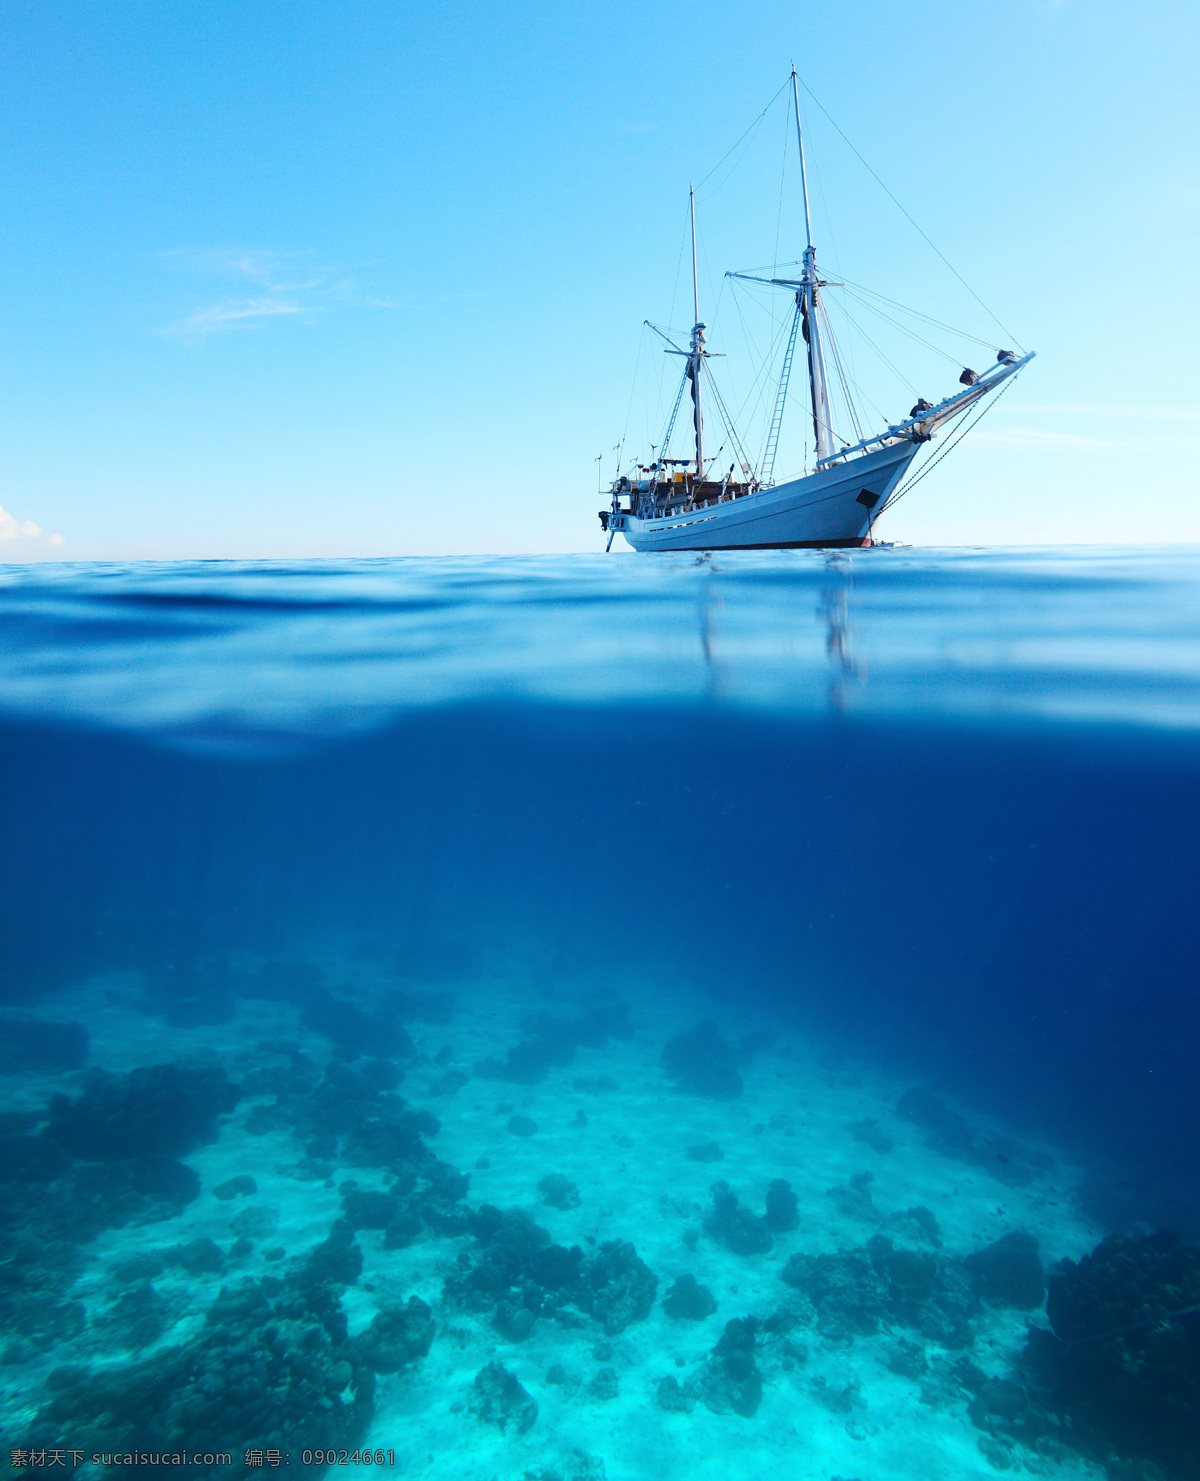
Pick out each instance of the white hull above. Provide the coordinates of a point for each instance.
(827, 508)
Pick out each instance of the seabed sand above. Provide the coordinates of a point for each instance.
(838, 1412)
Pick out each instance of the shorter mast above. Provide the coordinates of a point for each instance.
(809, 303)
(696, 358)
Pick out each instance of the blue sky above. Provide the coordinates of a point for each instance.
(314, 280)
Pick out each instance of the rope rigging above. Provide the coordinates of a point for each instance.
(949, 448)
(1008, 334)
(833, 372)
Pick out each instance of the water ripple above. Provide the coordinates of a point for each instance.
(250, 653)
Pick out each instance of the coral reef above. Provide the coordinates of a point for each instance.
(550, 1043)
(559, 1191)
(1009, 1272)
(136, 1319)
(705, 1152)
(620, 1288)
(783, 1209)
(853, 1199)
(398, 1337)
(729, 1380)
(701, 1062)
(243, 1185)
(498, 1398)
(604, 1385)
(675, 1396)
(917, 1225)
(688, 1300)
(350, 1112)
(855, 1291)
(450, 1083)
(27, 1045)
(1123, 1363)
(161, 1109)
(105, 1159)
(846, 1289)
(25, 1158)
(517, 1268)
(353, 1029)
(735, 1227)
(425, 1200)
(271, 1367)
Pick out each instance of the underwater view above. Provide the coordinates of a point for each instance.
(583, 1019)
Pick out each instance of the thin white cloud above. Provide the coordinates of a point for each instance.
(290, 284)
(229, 314)
(24, 530)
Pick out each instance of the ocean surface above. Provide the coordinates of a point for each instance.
(576, 1018)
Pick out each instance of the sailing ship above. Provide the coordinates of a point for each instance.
(687, 504)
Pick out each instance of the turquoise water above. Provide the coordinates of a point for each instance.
(581, 1018)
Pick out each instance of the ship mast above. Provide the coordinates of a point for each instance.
(696, 358)
(809, 304)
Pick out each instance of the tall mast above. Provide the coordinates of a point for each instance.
(809, 302)
(696, 359)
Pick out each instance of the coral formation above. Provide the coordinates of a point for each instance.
(271, 1366)
(397, 1337)
(517, 1267)
(352, 1112)
(1009, 1272)
(853, 1199)
(28, 1046)
(688, 1300)
(604, 1385)
(705, 1152)
(735, 1227)
(855, 1291)
(1123, 1363)
(701, 1062)
(161, 1109)
(498, 1398)
(550, 1043)
(450, 1083)
(136, 1319)
(28, 1159)
(783, 1208)
(620, 1288)
(353, 1029)
(559, 1191)
(241, 1186)
(729, 1381)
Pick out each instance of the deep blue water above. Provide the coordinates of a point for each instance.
(937, 811)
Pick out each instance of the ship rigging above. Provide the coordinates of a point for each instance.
(689, 504)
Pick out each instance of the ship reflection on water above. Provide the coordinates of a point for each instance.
(835, 608)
